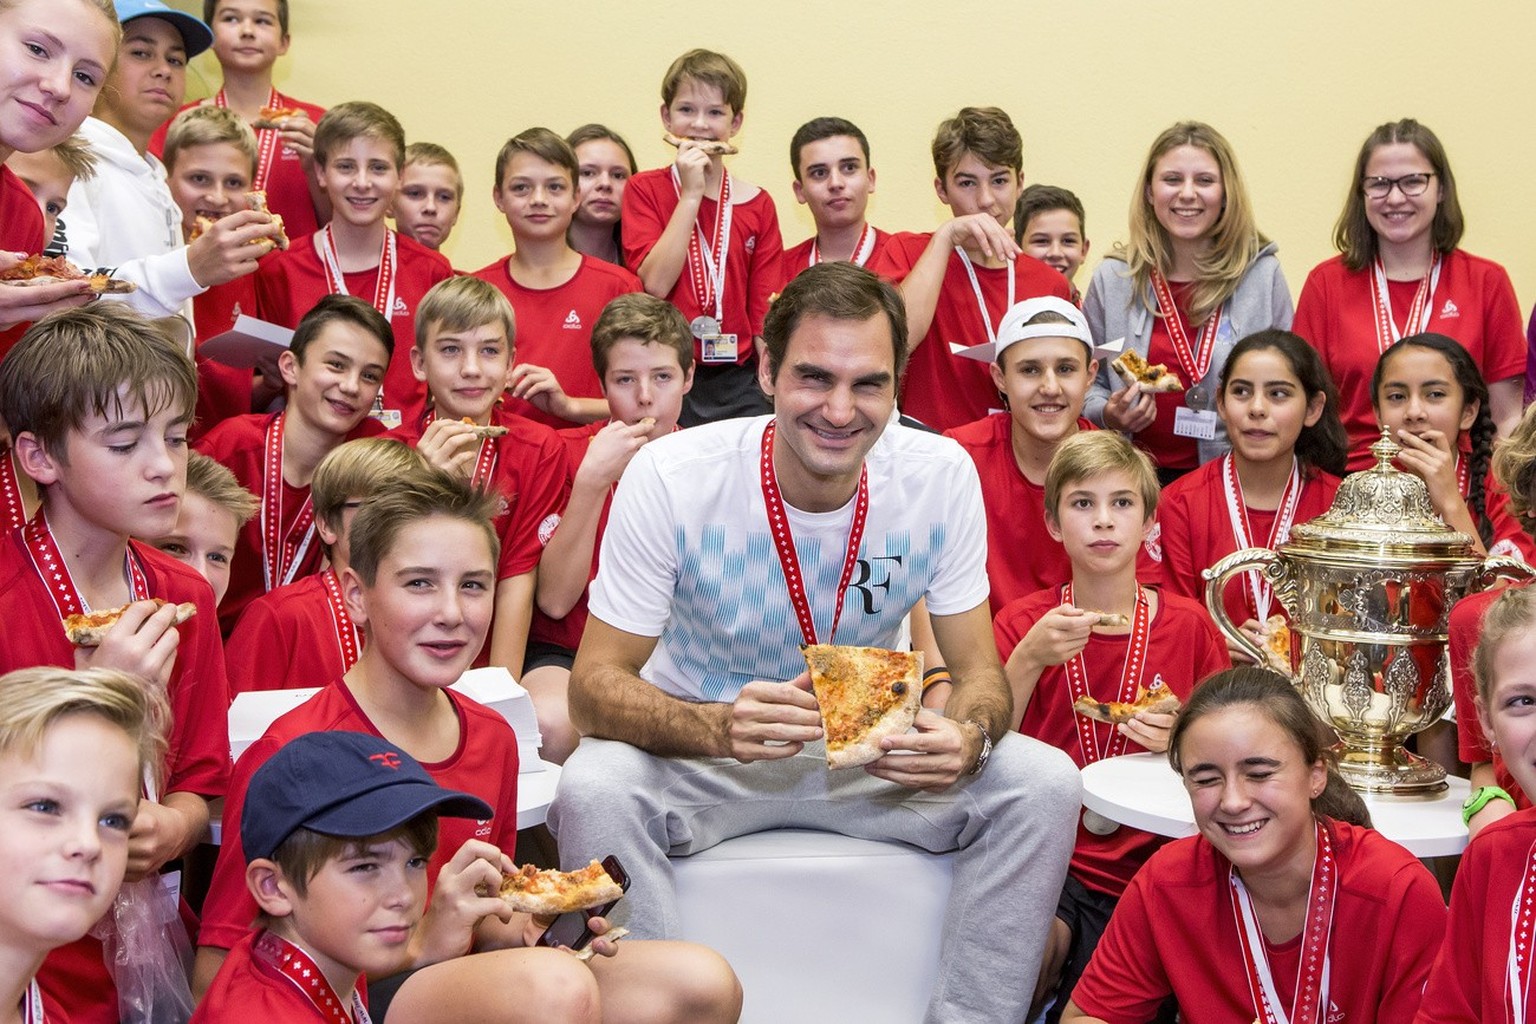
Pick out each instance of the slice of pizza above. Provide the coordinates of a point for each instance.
(551, 892)
(1113, 619)
(38, 270)
(90, 628)
(1277, 643)
(1159, 700)
(866, 694)
(273, 117)
(257, 201)
(1134, 369)
(713, 147)
(487, 432)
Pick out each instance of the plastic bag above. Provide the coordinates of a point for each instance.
(148, 954)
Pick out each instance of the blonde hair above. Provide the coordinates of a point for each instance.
(78, 158)
(385, 516)
(1514, 464)
(206, 126)
(358, 469)
(358, 119)
(708, 68)
(1512, 612)
(460, 304)
(1235, 239)
(1093, 453)
(211, 480)
(33, 699)
(106, 7)
(430, 154)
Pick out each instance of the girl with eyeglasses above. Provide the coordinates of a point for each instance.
(1399, 272)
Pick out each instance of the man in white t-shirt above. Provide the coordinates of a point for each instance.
(690, 689)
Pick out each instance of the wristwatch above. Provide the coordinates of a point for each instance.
(986, 747)
(1481, 797)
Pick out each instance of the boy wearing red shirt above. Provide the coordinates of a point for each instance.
(1101, 495)
(104, 437)
(431, 194)
(359, 149)
(300, 633)
(421, 585)
(833, 177)
(1042, 362)
(1049, 225)
(463, 352)
(953, 279)
(248, 38)
(333, 369)
(643, 353)
(705, 241)
(556, 291)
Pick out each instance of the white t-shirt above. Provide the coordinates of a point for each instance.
(688, 556)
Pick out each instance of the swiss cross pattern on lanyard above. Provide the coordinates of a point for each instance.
(49, 563)
(267, 139)
(1517, 968)
(1463, 476)
(707, 273)
(336, 282)
(1197, 363)
(1261, 593)
(981, 302)
(1130, 681)
(789, 560)
(281, 554)
(10, 486)
(861, 251)
(485, 461)
(295, 966)
(1418, 313)
(347, 638)
(1310, 1004)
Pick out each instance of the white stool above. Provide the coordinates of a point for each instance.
(819, 926)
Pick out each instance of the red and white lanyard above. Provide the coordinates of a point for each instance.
(32, 1004)
(10, 487)
(981, 302)
(1262, 594)
(1517, 970)
(789, 560)
(1130, 681)
(861, 251)
(1418, 313)
(296, 967)
(707, 273)
(267, 139)
(281, 553)
(485, 461)
(348, 639)
(336, 282)
(1195, 362)
(1463, 476)
(1310, 1002)
(50, 566)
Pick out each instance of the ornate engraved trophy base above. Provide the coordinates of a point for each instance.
(1374, 766)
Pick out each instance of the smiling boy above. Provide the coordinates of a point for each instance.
(1049, 225)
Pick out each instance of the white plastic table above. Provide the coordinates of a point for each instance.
(1142, 791)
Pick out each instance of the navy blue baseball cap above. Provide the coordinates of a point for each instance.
(196, 36)
(347, 784)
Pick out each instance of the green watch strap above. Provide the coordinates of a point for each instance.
(1481, 797)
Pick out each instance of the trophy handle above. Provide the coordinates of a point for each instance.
(1279, 576)
(1503, 569)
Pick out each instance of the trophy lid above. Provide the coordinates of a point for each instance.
(1386, 510)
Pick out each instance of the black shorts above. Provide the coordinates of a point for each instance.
(540, 654)
(1086, 912)
(382, 992)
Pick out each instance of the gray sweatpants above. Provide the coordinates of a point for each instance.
(1012, 828)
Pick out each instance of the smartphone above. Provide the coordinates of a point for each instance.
(571, 929)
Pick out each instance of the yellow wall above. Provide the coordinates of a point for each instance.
(1295, 85)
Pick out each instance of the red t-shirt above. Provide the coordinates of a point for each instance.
(567, 632)
(21, 219)
(485, 764)
(1194, 530)
(1466, 626)
(1469, 981)
(245, 989)
(1174, 932)
(940, 388)
(752, 270)
(290, 283)
(554, 326)
(1474, 303)
(240, 444)
(282, 175)
(289, 637)
(222, 391)
(197, 757)
(798, 259)
(529, 475)
(1169, 450)
(1183, 648)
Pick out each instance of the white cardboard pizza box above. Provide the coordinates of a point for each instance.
(252, 713)
(247, 343)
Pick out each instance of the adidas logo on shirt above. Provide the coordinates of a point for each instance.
(1449, 311)
(572, 321)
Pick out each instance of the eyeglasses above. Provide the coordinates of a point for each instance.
(1408, 185)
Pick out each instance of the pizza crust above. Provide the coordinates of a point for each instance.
(1115, 620)
(551, 892)
(1158, 700)
(273, 117)
(484, 433)
(866, 694)
(90, 628)
(1133, 368)
(713, 147)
